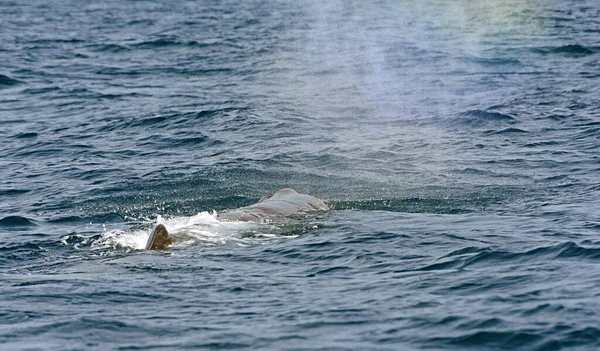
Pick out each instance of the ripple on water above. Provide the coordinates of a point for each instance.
(573, 50)
(6, 81)
(17, 222)
(460, 151)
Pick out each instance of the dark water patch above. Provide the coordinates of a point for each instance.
(558, 178)
(480, 119)
(119, 71)
(12, 253)
(376, 237)
(574, 50)
(90, 327)
(186, 119)
(16, 222)
(507, 131)
(504, 340)
(85, 93)
(538, 144)
(562, 336)
(10, 121)
(197, 141)
(573, 251)
(165, 42)
(589, 75)
(448, 204)
(337, 270)
(42, 90)
(198, 72)
(487, 323)
(543, 309)
(498, 283)
(155, 121)
(56, 40)
(39, 149)
(577, 105)
(588, 124)
(13, 316)
(37, 282)
(561, 117)
(158, 43)
(26, 135)
(290, 254)
(496, 61)
(6, 81)
(98, 218)
(12, 192)
(108, 48)
(588, 132)
(476, 171)
(473, 256)
(141, 22)
(98, 176)
(584, 336)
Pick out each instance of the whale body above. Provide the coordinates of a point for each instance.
(285, 203)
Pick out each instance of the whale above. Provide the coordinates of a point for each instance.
(284, 204)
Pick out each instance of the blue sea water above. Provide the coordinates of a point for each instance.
(458, 142)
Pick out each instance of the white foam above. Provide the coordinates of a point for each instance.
(202, 227)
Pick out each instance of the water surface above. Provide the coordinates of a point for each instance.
(457, 141)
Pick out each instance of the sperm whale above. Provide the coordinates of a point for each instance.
(285, 203)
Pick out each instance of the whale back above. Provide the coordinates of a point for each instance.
(284, 203)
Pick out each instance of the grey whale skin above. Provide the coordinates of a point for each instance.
(283, 204)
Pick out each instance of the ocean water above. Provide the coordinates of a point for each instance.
(457, 141)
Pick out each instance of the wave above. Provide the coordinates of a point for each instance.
(171, 41)
(159, 43)
(20, 252)
(109, 48)
(118, 71)
(57, 40)
(505, 339)
(544, 143)
(6, 81)
(479, 119)
(101, 218)
(16, 222)
(171, 119)
(553, 338)
(508, 131)
(193, 141)
(26, 135)
(487, 116)
(476, 256)
(11, 192)
(498, 61)
(573, 50)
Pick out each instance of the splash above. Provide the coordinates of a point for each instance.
(201, 228)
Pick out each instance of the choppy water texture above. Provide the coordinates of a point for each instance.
(457, 140)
